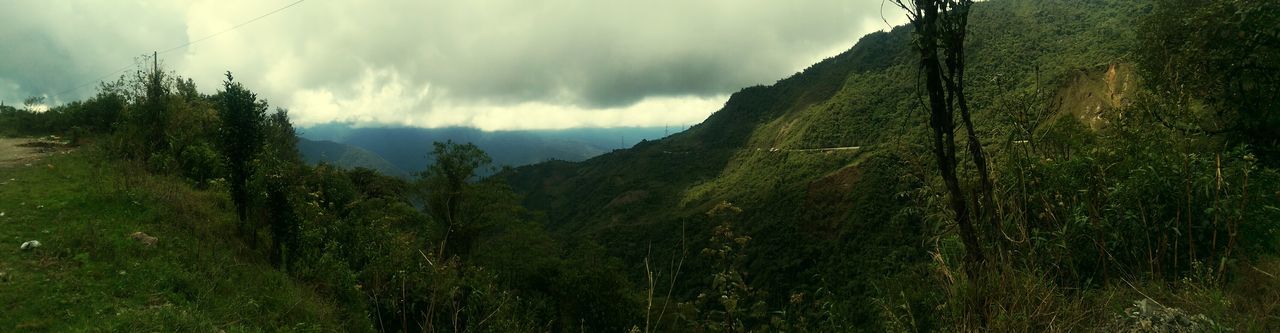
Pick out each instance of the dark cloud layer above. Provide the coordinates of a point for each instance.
(490, 64)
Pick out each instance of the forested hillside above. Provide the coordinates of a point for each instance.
(1083, 167)
(1117, 173)
(346, 156)
(403, 146)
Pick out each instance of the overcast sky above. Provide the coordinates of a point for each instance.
(491, 64)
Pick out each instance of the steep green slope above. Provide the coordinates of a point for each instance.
(346, 156)
(824, 219)
(90, 275)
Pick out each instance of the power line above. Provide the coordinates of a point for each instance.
(96, 80)
(189, 43)
(232, 28)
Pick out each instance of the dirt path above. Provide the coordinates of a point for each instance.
(20, 151)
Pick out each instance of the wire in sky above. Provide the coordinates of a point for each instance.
(96, 80)
(189, 43)
(232, 28)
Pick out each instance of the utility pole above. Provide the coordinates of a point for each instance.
(155, 62)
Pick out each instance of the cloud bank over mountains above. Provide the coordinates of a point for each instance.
(500, 64)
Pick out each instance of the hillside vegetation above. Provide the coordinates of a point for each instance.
(250, 237)
(1097, 194)
(403, 146)
(346, 156)
(89, 274)
(1128, 183)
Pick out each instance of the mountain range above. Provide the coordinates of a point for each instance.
(833, 215)
(403, 151)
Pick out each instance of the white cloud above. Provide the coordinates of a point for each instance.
(497, 64)
(383, 97)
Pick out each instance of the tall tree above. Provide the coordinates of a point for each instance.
(280, 162)
(153, 114)
(242, 135)
(447, 183)
(940, 28)
(280, 138)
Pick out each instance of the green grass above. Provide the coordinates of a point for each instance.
(90, 276)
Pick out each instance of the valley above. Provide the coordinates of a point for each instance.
(990, 166)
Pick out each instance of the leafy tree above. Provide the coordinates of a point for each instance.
(281, 163)
(592, 292)
(1216, 65)
(241, 137)
(32, 102)
(186, 89)
(731, 305)
(103, 110)
(281, 139)
(153, 111)
(372, 184)
(446, 183)
(190, 130)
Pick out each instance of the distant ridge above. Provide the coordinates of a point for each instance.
(409, 148)
(346, 156)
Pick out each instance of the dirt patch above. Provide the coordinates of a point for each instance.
(627, 198)
(40, 144)
(834, 186)
(827, 202)
(22, 151)
(1093, 95)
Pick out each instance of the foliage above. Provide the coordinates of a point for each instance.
(1090, 214)
(731, 304)
(447, 189)
(357, 238)
(90, 275)
(152, 110)
(865, 223)
(1139, 199)
(940, 29)
(240, 138)
(1213, 64)
(346, 156)
(280, 169)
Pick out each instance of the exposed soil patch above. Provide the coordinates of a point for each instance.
(835, 186)
(827, 201)
(1092, 95)
(21, 151)
(627, 198)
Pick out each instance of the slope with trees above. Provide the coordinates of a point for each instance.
(1153, 206)
(1075, 206)
(315, 247)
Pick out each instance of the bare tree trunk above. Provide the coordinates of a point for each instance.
(954, 32)
(941, 120)
(944, 20)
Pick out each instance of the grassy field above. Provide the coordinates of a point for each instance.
(89, 275)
